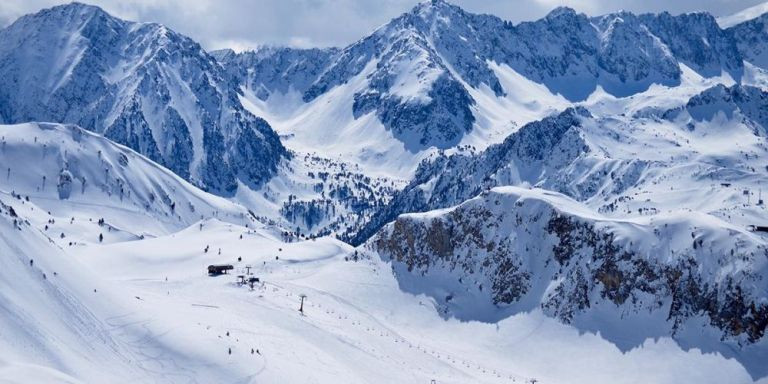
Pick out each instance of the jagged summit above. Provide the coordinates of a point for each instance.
(561, 11)
(72, 8)
(434, 8)
(272, 70)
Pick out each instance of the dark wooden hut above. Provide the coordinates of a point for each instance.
(219, 269)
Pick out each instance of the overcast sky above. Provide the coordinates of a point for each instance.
(244, 24)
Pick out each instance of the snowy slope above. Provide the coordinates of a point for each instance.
(513, 250)
(358, 325)
(141, 85)
(658, 191)
(80, 177)
(62, 323)
(742, 16)
(156, 317)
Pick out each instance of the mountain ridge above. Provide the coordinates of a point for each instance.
(443, 53)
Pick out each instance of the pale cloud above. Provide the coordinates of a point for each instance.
(244, 24)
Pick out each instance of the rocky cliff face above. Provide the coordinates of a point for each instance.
(514, 249)
(696, 40)
(749, 103)
(409, 84)
(141, 85)
(276, 69)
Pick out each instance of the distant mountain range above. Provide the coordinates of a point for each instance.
(420, 66)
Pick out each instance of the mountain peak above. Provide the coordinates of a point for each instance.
(561, 12)
(78, 5)
(432, 4)
(431, 8)
(73, 8)
(69, 17)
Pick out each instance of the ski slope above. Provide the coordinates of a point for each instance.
(63, 323)
(144, 310)
(358, 326)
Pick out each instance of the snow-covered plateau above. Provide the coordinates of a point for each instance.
(453, 198)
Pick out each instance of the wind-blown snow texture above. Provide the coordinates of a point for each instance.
(141, 85)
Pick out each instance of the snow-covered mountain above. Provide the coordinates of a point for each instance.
(563, 193)
(421, 73)
(638, 196)
(93, 186)
(750, 104)
(604, 160)
(447, 180)
(752, 39)
(145, 312)
(139, 84)
(513, 250)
